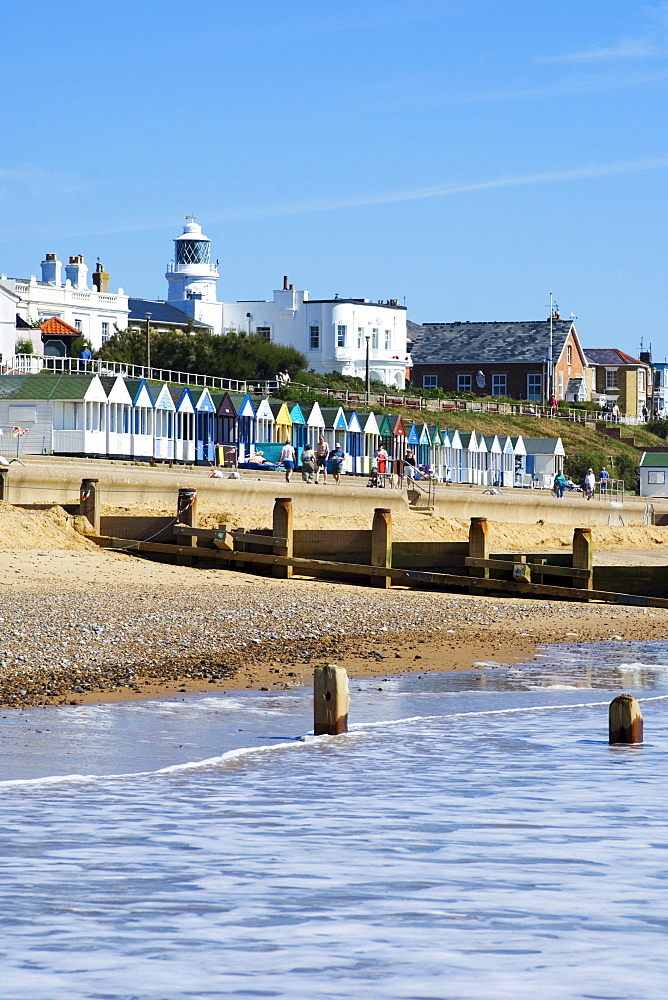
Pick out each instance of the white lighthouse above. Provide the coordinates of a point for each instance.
(190, 275)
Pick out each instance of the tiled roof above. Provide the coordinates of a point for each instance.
(58, 326)
(609, 356)
(489, 343)
(161, 312)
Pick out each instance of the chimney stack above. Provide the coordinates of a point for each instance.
(52, 270)
(100, 278)
(77, 272)
(285, 282)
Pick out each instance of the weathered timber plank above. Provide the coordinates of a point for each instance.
(545, 568)
(305, 566)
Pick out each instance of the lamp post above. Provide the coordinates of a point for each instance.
(148, 343)
(249, 317)
(367, 379)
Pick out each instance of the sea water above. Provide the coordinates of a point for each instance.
(472, 836)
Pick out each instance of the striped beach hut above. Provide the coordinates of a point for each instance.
(163, 421)
(335, 425)
(370, 434)
(142, 418)
(226, 421)
(184, 424)
(205, 427)
(354, 446)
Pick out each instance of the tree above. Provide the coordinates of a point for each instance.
(24, 346)
(232, 355)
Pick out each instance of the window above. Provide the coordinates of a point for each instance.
(611, 378)
(464, 383)
(499, 385)
(388, 339)
(360, 336)
(264, 331)
(534, 386)
(569, 355)
(374, 337)
(641, 380)
(105, 331)
(341, 335)
(656, 478)
(314, 338)
(561, 385)
(78, 324)
(430, 381)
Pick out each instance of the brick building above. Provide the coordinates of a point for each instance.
(620, 378)
(500, 359)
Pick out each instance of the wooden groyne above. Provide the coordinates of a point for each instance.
(369, 556)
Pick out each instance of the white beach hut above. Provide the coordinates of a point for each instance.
(119, 413)
(163, 422)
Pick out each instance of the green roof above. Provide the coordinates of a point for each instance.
(655, 460)
(46, 385)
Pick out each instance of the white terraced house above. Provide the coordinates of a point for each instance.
(95, 311)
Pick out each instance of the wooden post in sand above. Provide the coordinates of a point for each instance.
(331, 701)
(479, 546)
(381, 545)
(186, 513)
(89, 503)
(282, 528)
(625, 720)
(3, 484)
(583, 556)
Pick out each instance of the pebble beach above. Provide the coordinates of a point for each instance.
(79, 624)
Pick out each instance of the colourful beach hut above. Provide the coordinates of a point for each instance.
(436, 451)
(370, 440)
(393, 438)
(246, 428)
(184, 424)
(226, 421)
(163, 422)
(335, 425)
(354, 446)
(282, 422)
(299, 428)
(205, 427)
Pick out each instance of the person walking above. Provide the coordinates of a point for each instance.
(321, 456)
(559, 485)
(288, 460)
(589, 484)
(308, 464)
(336, 458)
(553, 405)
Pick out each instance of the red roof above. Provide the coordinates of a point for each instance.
(58, 326)
(611, 356)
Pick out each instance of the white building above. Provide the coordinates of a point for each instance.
(94, 311)
(331, 333)
(8, 305)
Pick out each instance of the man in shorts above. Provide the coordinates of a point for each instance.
(321, 456)
(288, 460)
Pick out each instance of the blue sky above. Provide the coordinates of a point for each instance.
(468, 155)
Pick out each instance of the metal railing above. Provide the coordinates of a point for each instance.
(32, 364)
(610, 489)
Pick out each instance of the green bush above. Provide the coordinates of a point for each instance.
(658, 427)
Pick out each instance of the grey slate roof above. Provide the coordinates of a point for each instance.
(161, 312)
(489, 343)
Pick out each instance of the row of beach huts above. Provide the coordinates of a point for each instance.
(117, 417)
